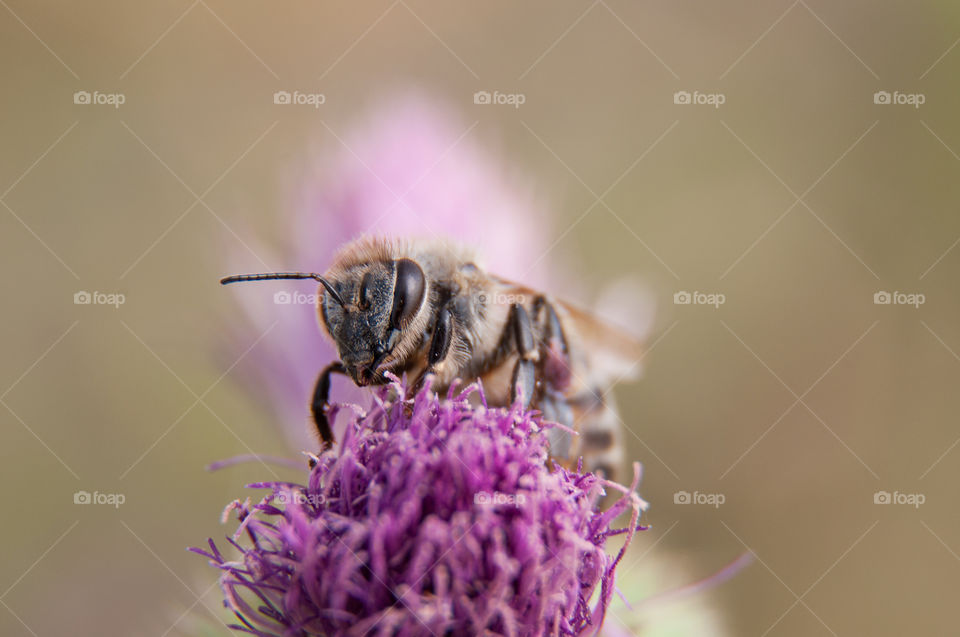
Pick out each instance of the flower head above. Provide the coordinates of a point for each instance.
(431, 516)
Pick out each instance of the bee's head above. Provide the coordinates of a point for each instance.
(366, 309)
(369, 307)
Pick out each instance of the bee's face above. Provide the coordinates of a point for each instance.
(379, 300)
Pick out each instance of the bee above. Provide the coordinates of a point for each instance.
(426, 308)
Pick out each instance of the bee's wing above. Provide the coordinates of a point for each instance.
(601, 354)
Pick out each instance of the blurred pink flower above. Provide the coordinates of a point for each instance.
(414, 169)
(409, 167)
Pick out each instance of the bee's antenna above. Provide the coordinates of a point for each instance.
(270, 276)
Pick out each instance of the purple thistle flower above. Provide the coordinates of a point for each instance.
(430, 517)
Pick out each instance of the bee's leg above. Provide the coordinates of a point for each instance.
(524, 377)
(556, 364)
(552, 329)
(439, 345)
(556, 378)
(591, 413)
(320, 402)
(442, 335)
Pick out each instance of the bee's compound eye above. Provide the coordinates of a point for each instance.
(407, 292)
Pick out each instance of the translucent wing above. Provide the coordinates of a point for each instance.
(601, 354)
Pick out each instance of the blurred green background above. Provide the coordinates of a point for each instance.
(798, 199)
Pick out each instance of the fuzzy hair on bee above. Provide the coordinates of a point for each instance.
(425, 308)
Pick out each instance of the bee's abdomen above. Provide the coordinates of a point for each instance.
(594, 417)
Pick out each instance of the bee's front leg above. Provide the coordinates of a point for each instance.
(439, 345)
(321, 400)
